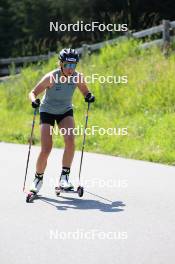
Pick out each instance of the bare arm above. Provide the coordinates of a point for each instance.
(89, 97)
(40, 87)
(82, 86)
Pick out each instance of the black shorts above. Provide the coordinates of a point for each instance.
(47, 118)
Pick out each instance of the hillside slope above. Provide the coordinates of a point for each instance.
(145, 105)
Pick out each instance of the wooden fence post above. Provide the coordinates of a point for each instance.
(166, 36)
(85, 50)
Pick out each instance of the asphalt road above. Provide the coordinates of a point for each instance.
(127, 214)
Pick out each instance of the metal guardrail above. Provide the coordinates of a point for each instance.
(165, 29)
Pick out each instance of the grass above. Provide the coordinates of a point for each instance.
(145, 105)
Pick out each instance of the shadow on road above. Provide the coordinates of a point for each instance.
(81, 204)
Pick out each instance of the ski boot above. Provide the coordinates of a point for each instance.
(64, 184)
(35, 187)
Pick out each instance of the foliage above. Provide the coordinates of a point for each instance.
(24, 24)
(145, 105)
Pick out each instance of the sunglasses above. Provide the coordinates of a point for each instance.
(69, 65)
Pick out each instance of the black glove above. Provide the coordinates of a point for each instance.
(36, 103)
(90, 98)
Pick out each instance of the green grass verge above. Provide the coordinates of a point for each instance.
(145, 105)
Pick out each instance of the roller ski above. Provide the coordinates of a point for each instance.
(30, 197)
(65, 186)
(59, 190)
(35, 188)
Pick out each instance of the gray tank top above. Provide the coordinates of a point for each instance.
(58, 99)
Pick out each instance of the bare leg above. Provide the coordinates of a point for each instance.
(68, 122)
(46, 146)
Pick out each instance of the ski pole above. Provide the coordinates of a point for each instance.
(30, 144)
(84, 138)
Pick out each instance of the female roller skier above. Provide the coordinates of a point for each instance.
(56, 105)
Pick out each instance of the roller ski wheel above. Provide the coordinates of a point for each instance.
(80, 191)
(57, 191)
(30, 197)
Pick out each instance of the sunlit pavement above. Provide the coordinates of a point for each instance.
(126, 215)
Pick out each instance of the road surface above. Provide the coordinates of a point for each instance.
(127, 214)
